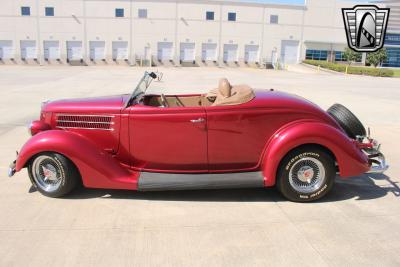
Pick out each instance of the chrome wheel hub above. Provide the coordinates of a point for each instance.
(307, 175)
(47, 173)
(50, 173)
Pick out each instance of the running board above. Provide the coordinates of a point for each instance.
(150, 181)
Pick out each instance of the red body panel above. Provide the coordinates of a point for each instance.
(248, 137)
(94, 105)
(350, 159)
(165, 139)
(237, 136)
(110, 106)
(97, 168)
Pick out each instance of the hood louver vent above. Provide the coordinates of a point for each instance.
(89, 122)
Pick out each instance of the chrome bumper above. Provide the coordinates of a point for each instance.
(378, 163)
(376, 158)
(11, 169)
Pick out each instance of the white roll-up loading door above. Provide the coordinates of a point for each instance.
(289, 51)
(97, 50)
(230, 52)
(187, 52)
(6, 49)
(209, 52)
(164, 51)
(120, 50)
(51, 50)
(28, 49)
(251, 53)
(74, 50)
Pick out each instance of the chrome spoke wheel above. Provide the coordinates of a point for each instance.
(47, 173)
(307, 175)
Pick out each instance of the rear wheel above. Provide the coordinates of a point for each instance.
(306, 174)
(53, 174)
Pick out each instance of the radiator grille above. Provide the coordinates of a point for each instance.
(90, 122)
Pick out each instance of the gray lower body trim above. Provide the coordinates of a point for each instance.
(149, 181)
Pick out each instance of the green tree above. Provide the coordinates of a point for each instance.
(376, 58)
(351, 55)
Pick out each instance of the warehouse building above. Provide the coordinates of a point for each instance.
(172, 32)
(392, 40)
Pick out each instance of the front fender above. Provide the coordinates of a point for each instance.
(97, 168)
(351, 160)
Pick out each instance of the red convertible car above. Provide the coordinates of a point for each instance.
(232, 137)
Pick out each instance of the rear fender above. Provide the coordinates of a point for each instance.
(97, 168)
(351, 160)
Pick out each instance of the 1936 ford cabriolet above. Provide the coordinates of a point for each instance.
(232, 137)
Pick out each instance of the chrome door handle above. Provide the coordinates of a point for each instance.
(197, 120)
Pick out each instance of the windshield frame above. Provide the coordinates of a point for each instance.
(138, 92)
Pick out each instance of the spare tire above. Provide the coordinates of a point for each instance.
(347, 120)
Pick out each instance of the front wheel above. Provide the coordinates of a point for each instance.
(306, 174)
(53, 174)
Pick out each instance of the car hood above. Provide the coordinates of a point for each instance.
(105, 104)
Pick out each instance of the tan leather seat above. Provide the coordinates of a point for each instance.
(226, 94)
(224, 87)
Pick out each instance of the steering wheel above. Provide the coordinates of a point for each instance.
(164, 101)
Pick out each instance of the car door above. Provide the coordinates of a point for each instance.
(237, 136)
(168, 139)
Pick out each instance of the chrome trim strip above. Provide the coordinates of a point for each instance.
(67, 118)
(149, 181)
(99, 122)
(84, 128)
(85, 115)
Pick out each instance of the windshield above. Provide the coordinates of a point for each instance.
(141, 88)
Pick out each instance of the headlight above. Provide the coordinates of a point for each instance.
(38, 126)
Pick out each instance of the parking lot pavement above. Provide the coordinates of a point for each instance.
(357, 224)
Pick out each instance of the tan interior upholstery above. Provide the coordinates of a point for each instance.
(230, 95)
(224, 87)
(205, 102)
(224, 95)
(175, 101)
